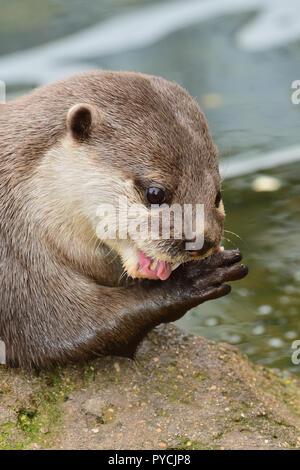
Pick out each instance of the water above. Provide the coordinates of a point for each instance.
(261, 315)
(238, 59)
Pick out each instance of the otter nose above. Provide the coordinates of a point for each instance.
(207, 245)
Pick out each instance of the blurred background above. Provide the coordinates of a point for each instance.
(238, 58)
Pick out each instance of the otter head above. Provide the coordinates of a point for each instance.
(136, 142)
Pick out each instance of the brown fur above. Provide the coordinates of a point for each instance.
(60, 298)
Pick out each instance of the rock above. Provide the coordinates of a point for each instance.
(181, 392)
(94, 406)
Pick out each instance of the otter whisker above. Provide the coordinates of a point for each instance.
(233, 233)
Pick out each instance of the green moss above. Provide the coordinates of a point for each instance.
(88, 374)
(285, 388)
(10, 437)
(162, 413)
(187, 444)
(108, 415)
(39, 416)
(199, 376)
(169, 382)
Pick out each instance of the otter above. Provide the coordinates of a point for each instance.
(66, 295)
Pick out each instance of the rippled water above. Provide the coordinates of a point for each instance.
(243, 83)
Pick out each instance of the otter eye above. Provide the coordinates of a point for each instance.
(155, 195)
(218, 199)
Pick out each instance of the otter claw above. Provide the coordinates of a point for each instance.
(222, 258)
(227, 274)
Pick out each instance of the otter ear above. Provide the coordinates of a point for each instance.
(81, 119)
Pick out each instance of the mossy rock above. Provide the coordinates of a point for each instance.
(181, 392)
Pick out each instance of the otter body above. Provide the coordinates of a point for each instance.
(65, 149)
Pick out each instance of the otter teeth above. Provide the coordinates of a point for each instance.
(155, 262)
(153, 265)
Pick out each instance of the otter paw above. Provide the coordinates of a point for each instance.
(206, 280)
(195, 269)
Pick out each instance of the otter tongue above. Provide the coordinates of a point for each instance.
(162, 270)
